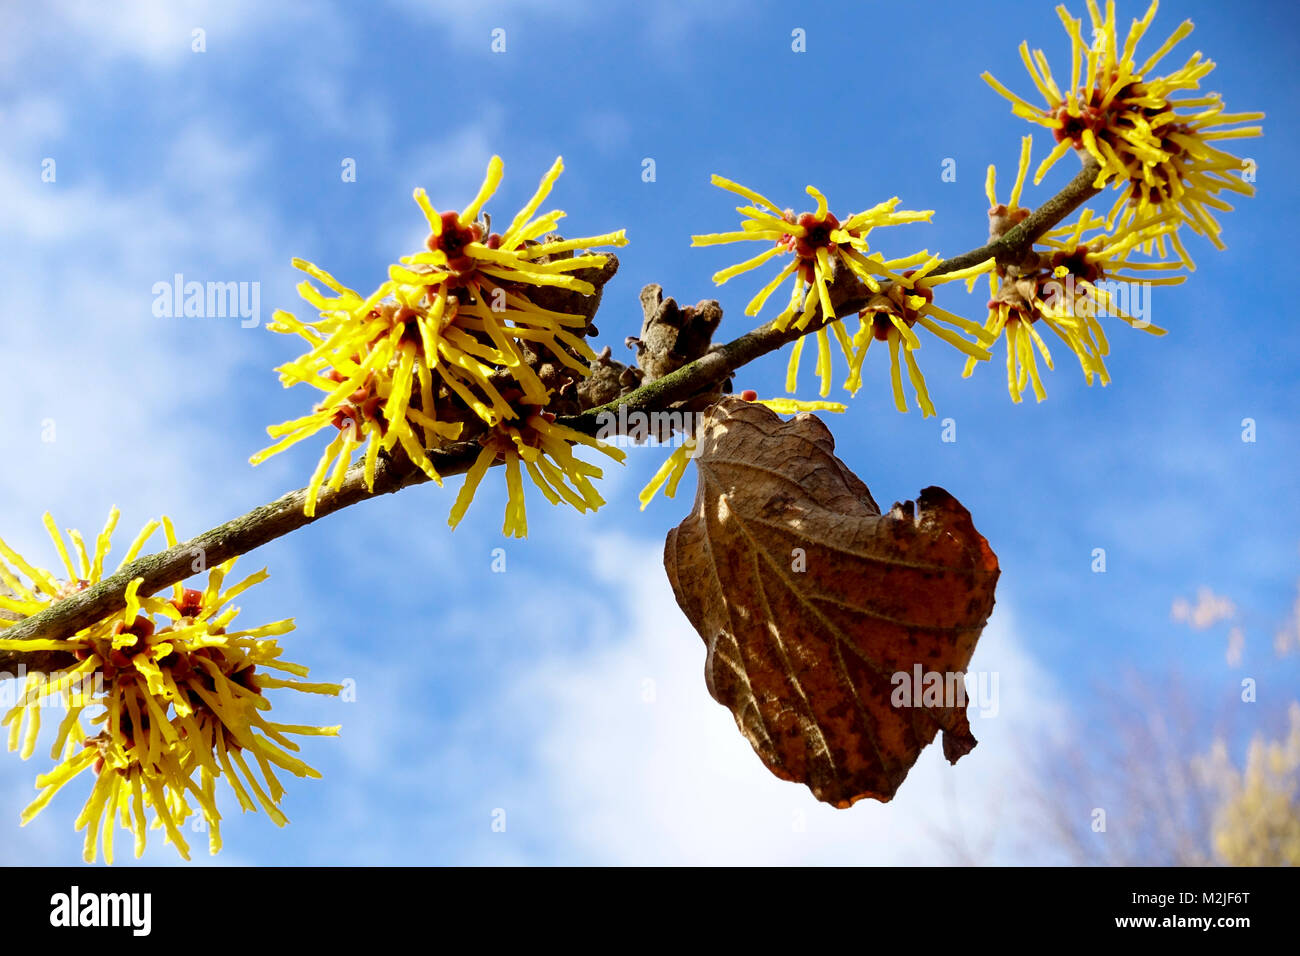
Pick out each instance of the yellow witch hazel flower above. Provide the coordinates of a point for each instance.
(818, 243)
(162, 700)
(670, 474)
(1152, 147)
(907, 301)
(1084, 271)
(545, 450)
(366, 360)
(445, 348)
(1014, 310)
(1087, 262)
(462, 254)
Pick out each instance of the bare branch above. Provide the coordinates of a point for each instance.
(278, 518)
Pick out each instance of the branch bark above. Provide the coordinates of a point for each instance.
(284, 515)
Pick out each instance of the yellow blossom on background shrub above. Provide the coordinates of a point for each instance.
(1258, 821)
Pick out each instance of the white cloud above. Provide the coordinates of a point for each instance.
(88, 364)
(32, 118)
(666, 24)
(477, 20)
(1209, 609)
(671, 781)
(157, 32)
(556, 730)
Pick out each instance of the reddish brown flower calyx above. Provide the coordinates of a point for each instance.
(101, 743)
(98, 766)
(453, 239)
(880, 326)
(352, 417)
(361, 406)
(142, 627)
(1072, 127)
(1092, 115)
(1155, 195)
(1167, 142)
(178, 664)
(817, 235)
(1077, 264)
(923, 291)
(532, 436)
(894, 301)
(1018, 296)
(391, 314)
(120, 659)
(409, 319)
(190, 603)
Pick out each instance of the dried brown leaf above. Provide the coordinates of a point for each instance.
(810, 601)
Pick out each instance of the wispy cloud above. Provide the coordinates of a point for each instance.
(631, 761)
(159, 33)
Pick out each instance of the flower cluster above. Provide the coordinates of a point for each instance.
(162, 699)
(453, 346)
(1068, 282)
(820, 245)
(1152, 147)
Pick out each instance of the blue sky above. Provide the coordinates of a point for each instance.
(527, 691)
